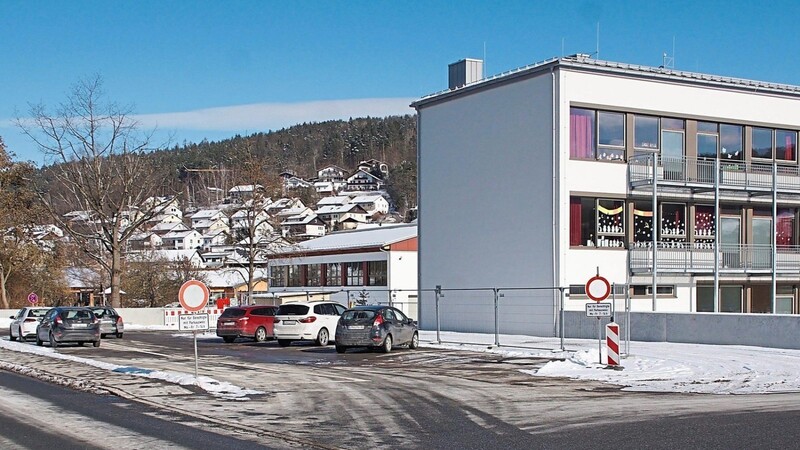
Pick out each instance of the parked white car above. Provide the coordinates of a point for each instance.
(307, 321)
(24, 323)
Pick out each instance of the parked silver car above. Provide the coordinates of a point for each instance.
(375, 326)
(69, 324)
(110, 321)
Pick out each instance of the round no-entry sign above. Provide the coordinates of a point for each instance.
(193, 295)
(33, 298)
(598, 288)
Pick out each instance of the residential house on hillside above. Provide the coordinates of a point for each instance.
(283, 203)
(241, 221)
(332, 174)
(375, 167)
(162, 219)
(183, 240)
(163, 228)
(339, 217)
(303, 226)
(145, 240)
(334, 200)
(207, 215)
(244, 191)
(372, 203)
(209, 226)
(294, 182)
(214, 239)
(192, 256)
(364, 181)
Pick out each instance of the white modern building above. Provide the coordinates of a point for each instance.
(573, 162)
(374, 265)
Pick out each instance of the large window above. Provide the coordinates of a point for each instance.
(376, 273)
(785, 227)
(597, 222)
(581, 129)
(643, 223)
(645, 132)
(355, 274)
(704, 226)
(334, 275)
(610, 136)
(785, 145)
(707, 139)
(314, 276)
(278, 276)
(732, 142)
(673, 222)
(762, 143)
(293, 279)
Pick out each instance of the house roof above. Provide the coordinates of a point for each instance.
(179, 234)
(169, 255)
(230, 277)
(299, 220)
(360, 238)
(339, 209)
(333, 200)
(367, 198)
(585, 62)
(206, 214)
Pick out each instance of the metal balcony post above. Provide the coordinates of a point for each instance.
(654, 231)
(774, 236)
(716, 235)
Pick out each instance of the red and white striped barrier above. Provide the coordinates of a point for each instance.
(612, 343)
(171, 316)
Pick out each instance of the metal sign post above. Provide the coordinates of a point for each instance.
(193, 322)
(194, 333)
(599, 310)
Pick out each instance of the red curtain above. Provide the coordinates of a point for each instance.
(581, 144)
(575, 222)
(785, 229)
(789, 148)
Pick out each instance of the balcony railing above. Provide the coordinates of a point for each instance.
(700, 172)
(677, 257)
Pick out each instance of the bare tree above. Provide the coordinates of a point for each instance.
(253, 228)
(99, 168)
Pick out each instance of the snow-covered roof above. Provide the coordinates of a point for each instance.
(169, 226)
(299, 220)
(371, 237)
(179, 234)
(366, 198)
(244, 188)
(230, 277)
(333, 200)
(206, 214)
(336, 209)
(169, 255)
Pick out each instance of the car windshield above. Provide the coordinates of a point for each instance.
(292, 310)
(37, 312)
(358, 315)
(232, 312)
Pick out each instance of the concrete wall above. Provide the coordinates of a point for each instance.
(760, 330)
(486, 197)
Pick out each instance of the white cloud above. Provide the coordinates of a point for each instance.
(270, 116)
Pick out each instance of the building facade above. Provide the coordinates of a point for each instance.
(574, 162)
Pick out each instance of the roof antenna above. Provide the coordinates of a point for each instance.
(668, 61)
(597, 46)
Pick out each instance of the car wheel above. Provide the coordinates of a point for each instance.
(119, 335)
(341, 349)
(322, 337)
(96, 343)
(284, 342)
(414, 341)
(53, 342)
(39, 342)
(228, 339)
(11, 335)
(261, 334)
(387, 344)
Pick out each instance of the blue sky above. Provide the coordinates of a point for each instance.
(269, 64)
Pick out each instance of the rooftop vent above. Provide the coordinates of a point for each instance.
(465, 72)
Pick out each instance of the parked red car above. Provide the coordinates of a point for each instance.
(255, 322)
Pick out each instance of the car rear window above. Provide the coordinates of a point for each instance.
(354, 316)
(76, 314)
(37, 312)
(292, 310)
(232, 312)
(101, 312)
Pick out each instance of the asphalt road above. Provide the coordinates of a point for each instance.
(313, 397)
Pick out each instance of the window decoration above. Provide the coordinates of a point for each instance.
(610, 223)
(610, 136)
(704, 227)
(645, 132)
(785, 227)
(673, 222)
(642, 225)
(732, 142)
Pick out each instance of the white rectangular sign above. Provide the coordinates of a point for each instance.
(598, 310)
(191, 322)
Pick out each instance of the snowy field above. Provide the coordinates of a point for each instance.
(650, 366)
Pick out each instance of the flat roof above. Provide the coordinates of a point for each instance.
(586, 63)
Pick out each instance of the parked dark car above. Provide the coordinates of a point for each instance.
(69, 324)
(110, 321)
(376, 327)
(256, 322)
